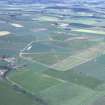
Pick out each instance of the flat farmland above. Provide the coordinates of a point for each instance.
(8, 94)
(54, 90)
(52, 52)
(61, 55)
(66, 93)
(78, 78)
(35, 82)
(78, 59)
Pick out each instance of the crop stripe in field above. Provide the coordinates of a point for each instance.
(82, 57)
(58, 79)
(54, 86)
(45, 53)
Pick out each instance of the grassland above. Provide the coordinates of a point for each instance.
(59, 51)
(8, 96)
(54, 90)
(38, 82)
(66, 93)
(78, 78)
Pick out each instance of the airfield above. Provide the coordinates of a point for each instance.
(53, 55)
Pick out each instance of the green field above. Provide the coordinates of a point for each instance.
(52, 53)
(54, 90)
(33, 82)
(8, 96)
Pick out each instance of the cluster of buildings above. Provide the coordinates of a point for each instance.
(6, 64)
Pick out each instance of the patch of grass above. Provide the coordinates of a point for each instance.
(66, 94)
(77, 78)
(8, 96)
(33, 82)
